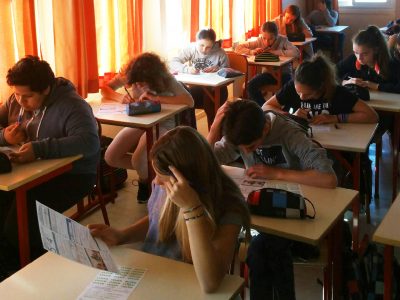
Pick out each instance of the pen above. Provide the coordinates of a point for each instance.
(21, 113)
(126, 90)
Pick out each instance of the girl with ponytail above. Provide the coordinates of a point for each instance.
(371, 66)
(314, 95)
(195, 210)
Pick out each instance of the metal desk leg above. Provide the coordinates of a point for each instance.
(388, 262)
(23, 231)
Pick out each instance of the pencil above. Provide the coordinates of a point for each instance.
(126, 90)
(21, 113)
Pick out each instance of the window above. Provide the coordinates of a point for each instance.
(366, 3)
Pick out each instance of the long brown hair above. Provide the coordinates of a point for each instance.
(373, 39)
(185, 149)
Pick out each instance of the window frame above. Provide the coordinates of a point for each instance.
(373, 5)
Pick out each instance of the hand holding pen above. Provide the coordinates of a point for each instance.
(128, 97)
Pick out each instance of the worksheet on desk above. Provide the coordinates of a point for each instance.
(248, 184)
(72, 240)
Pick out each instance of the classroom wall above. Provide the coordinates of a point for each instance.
(300, 3)
(357, 20)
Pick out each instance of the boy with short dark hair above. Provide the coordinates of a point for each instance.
(49, 119)
(271, 148)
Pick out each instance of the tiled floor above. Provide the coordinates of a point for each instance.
(126, 210)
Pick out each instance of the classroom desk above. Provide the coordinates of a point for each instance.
(388, 234)
(330, 205)
(275, 68)
(54, 277)
(24, 177)
(349, 137)
(301, 46)
(207, 80)
(146, 122)
(389, 103)
(334, 31)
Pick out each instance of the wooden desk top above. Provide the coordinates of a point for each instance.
(329, 204)
(122, 119)
(54, 277)
(283, 60)
(388, 232)
(332, 29)
(384, 101)
(205, 79)
(350, 137)
(307, 41)
(24, 173)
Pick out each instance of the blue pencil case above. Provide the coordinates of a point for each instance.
(143, 107)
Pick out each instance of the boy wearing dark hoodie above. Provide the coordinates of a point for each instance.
(49, 119)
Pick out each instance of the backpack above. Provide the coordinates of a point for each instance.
(363, 271)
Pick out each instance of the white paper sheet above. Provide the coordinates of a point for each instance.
(112, 108)
(247, 184)
(111, 286)
(72, 240)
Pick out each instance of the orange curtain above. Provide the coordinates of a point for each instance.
(135, 27)
(194, 14)
(17, 36)
(75, 40)
(263, 10)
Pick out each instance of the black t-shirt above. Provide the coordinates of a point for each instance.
(342, 101)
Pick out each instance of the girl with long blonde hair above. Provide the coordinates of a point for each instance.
(195, 210)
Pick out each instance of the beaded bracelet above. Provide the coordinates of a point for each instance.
(342, 118)
(192, 208)
(194, 217)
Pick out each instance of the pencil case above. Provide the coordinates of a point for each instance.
(143, 107)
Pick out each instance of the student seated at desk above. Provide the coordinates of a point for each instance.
(371, 65)
(195, 210)
(324, 15)
(314, 95)
(204, 55)
(292, 22)
(150, 79)
(50, 120)
(269, 41)
(271, 148)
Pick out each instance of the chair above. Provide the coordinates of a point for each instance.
(239, 62)
(95, 197)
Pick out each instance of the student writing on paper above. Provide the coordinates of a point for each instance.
(150, 79)
(324, 15)
(46, 118)
(274, 43)
(195, 210)
(271, 148)
(315, 96)
(292, 22)
(371, 65)
(204, 55)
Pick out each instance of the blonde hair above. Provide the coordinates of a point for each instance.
(185, 149)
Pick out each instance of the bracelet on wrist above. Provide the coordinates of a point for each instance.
(194, 217)
(193, 208)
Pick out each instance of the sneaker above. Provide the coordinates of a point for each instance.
(143, 193)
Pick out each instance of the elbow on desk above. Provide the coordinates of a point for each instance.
(210, 286)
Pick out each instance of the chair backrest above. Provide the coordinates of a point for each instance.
(239, 62)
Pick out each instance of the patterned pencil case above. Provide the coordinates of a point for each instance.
(143, 107)
(278, 203)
